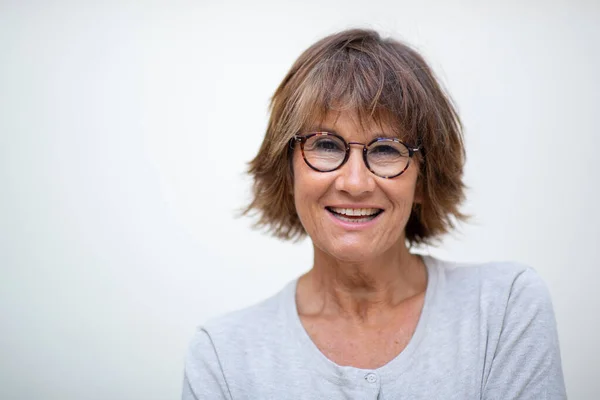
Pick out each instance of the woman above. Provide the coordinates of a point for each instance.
(364, 154)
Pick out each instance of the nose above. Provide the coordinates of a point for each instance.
(354, 177)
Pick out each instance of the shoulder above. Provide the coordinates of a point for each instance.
(508, 309)
(492, 293)
(250, 319)
(240, 331)
(492, 280)
(506, 302)
(224, 351)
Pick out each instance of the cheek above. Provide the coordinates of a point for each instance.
(298, 181)
(402, 209)
(303, 187)
(309, 189)
(402, 196)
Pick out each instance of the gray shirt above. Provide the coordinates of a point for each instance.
(485, 332)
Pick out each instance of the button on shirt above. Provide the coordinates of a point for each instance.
(371, 378)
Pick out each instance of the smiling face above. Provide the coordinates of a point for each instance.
(351, 214)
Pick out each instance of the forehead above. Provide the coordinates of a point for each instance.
(352, 123)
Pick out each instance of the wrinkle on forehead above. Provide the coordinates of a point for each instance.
(367, 126)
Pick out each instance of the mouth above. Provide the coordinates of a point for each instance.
(355, 215)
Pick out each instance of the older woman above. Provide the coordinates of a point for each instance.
(364, 154)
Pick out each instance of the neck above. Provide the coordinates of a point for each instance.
(362, 290)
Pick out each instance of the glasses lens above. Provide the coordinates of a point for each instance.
(324, 152)
(387, 157)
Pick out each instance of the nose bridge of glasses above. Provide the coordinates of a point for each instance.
(357, 144)
(363, 150)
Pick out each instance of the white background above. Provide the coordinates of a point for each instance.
(118, 228)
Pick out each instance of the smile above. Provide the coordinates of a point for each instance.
(355, 215)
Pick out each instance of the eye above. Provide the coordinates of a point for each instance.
(385, 150)
(324, 144)
(327, 144)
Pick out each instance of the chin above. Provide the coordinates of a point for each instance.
(350, 251)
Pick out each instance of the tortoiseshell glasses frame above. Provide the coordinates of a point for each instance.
(336, 161)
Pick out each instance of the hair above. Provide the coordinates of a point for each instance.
(381, 79)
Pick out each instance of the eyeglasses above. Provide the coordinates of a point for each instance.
(326, 152)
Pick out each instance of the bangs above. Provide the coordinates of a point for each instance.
(352, 80)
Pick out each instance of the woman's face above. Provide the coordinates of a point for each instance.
(324, 199)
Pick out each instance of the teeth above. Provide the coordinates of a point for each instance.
(355, 211)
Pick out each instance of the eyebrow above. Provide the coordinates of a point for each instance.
(376, 134)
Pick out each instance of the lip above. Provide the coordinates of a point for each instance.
(354, 226)
(354, 205)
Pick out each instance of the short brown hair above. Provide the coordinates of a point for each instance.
(377, 78)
